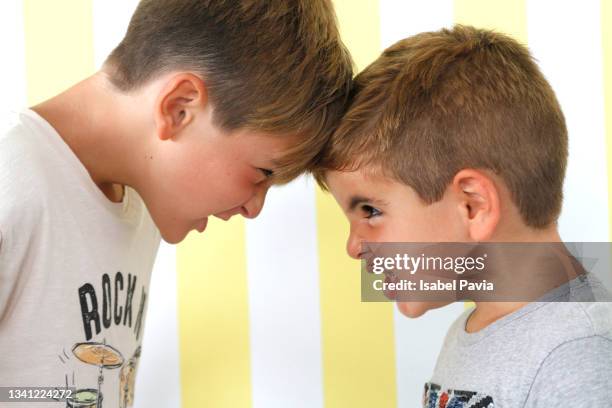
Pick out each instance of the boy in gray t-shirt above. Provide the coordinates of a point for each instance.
(545, 354)
(455, 136)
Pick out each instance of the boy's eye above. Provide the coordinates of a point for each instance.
(266, 172)
(370, 211)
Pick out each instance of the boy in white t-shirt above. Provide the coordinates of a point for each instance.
(197, 112)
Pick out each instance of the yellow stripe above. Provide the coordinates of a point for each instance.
(358, 339)
(359, 22)
(505, 16)
(58, 45)
(606, 32)
(213, 317)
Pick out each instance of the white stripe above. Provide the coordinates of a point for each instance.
(110, 21)
(285, 324)
(417, 341)
(12, 44)
(158, 379)
(566, 39)
(402, 18)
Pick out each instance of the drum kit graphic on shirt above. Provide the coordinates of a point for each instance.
(105, 357)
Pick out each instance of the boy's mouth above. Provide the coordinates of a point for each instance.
(367, 257)
(390, 278)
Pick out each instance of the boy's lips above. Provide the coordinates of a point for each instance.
(202, 225)
(367, 257)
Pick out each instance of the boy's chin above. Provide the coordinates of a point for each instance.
(173, 236)
(418, 309)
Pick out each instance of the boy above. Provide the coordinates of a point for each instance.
(200, 108)
(455, 136)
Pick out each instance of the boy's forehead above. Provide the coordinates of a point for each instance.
(274, 141)
(361, 182)
(273, 146)
(342, 183)
(362, 175)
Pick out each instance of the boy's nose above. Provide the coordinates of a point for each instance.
(353, 245)
(253, 207)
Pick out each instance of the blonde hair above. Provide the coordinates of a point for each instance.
(276, 66)
(442, 101)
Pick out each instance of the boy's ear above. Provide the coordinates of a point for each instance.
(479, 203)
(177, 104)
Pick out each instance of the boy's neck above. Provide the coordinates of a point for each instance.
(97, 123)
(486, 313)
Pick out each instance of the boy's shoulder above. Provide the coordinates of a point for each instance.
(22, 150)
(578, 342)
(533, 332)
(580, 308)
(29, 145)
(24, 169)
(506, 359)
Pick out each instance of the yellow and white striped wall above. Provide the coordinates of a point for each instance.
(266, 313)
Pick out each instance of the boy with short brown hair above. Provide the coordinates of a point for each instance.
(201, 107)
(455, 136)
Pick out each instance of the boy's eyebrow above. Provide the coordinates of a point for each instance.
(354, 201)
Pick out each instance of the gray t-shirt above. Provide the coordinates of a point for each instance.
(551, 353)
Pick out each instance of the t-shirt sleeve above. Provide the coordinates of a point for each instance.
(576, 374)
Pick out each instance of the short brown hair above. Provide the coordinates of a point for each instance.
(276, 66)
(439, 102)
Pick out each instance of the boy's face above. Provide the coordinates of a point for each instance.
(380, 209)
(206, 171)
(196, 168)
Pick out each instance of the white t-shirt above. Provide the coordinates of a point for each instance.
(74, 270)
